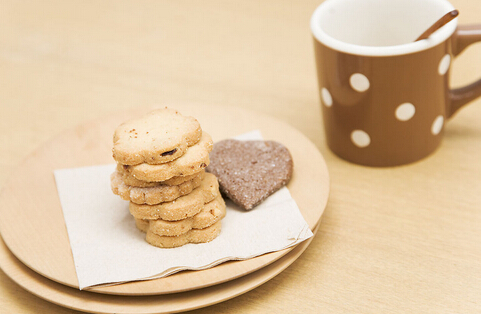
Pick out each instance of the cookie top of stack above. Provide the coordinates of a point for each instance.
(161, 145)
(158, 137)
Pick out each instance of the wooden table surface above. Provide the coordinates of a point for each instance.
(395, 240)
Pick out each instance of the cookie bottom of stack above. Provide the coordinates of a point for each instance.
(193, 217)
(200, 228)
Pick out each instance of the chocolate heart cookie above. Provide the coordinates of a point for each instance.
(249, 171)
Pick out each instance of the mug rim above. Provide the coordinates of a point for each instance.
(436, 38)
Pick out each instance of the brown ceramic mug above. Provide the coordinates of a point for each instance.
(384, 97)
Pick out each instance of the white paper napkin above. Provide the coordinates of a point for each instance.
(108, 248)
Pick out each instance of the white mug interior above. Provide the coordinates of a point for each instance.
(380, 27)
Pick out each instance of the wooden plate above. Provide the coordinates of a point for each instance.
(171, 303)
(32, 223)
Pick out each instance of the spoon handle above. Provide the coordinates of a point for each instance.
(438, 24)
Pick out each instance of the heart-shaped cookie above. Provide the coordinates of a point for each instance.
(249, 171)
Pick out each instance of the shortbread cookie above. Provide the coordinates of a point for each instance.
(182, 207)
(212, 213)
(250, 171)
(151, 195)
(158, 137)
(193, 236)
(128, 179)
(194, 160)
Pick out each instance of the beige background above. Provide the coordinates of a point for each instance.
(392, 240)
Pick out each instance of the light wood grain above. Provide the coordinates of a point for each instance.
(32, 224)
(400, 240)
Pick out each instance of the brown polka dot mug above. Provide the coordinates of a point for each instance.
(385, 97)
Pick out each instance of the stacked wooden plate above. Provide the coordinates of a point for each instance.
(35, 251)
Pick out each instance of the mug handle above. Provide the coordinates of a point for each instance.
(464, 36)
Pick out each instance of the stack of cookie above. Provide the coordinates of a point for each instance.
(161, 159)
